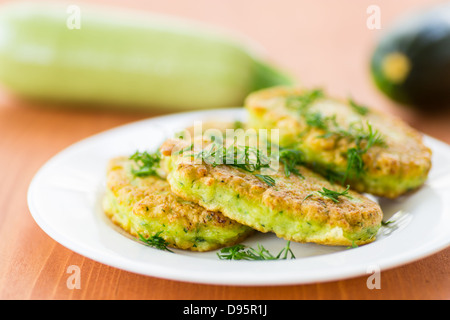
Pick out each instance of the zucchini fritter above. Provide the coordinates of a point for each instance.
(301, 206)
(145, 206)
(346, 142)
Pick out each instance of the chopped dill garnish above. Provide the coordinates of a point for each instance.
(181, 151)
(290, 159)
(244, 157)
(308, 196)
(238, 125)
(241, 252)
(316, 120)
(372, 137)
(364, 137)
(334, 195)
(302, 101)
(249, 159)
(147, 163)
(355, 163)
(360, 136)
(354, 245)
(360, 109)
(330, 194)
(265, 178)
(156, 241)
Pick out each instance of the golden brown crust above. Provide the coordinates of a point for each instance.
(298, 197)
(290, 194)
(403, 157)
(151, 199)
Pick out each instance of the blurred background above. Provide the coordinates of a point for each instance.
(322, 43)
(326, 43)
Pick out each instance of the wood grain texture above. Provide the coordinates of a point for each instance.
(321, 42)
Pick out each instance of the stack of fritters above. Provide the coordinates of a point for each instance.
(145, 206)
(333, 136)
(205, 195)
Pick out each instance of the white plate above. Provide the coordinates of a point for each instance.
(65, 196)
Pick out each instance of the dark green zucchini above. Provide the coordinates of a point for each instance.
(411, 63)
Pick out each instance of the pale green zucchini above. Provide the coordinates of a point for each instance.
(129, 59)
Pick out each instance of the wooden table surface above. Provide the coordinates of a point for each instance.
(324, 43)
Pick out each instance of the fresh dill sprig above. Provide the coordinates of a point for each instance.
(265, 178)
(241, 252)
(147, 163)
(302, 101)
(308, 196)
(386, 223)
(244, 157)
(247, 158)
(360, 109)
(364, 140)
(354, 245)
(334, 195)
(317, 120)
(290, 159)
(355, 163)
(156, 241)
(251, 159)
(330, 194)
(182, 151)
(371, 136)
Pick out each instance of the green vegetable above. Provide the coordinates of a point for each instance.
(147, 163)
(291, 158)
(267, 179)
(411, 62)
(301, 102)
(251, 159)
(316, 120)
(241, 252)
(246, 158)
(156, 241)
(126, 59)
(355, 163)
(364, 136)
(334, 195)
(362, 110)
(330, 194)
